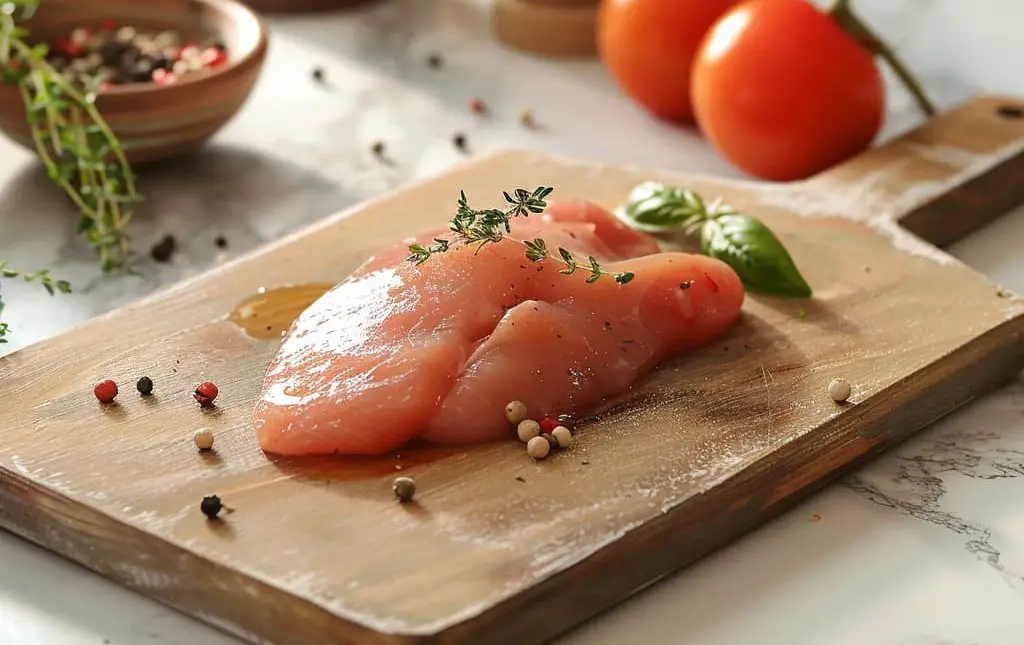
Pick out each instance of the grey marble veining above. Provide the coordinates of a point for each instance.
(923, 546)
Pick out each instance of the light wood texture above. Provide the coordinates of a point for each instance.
(498, 549)
(556, 28)
(157, 122)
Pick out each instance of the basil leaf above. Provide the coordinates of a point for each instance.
(653, 207)
(753, 251)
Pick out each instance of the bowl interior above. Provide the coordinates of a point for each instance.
(229, 22)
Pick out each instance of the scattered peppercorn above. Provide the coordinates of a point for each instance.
(318, 74)
(404, 488)
(563, 436)
(547, 436)
(547, 424)
(839, 390)
(685, 284)
(164, 249)
(378, 148)
(206, 393)
(144, 386)
(211, 506)
(105, 391)
(459, 141)
(203, 438)
(477, 106)
(221, 242)
(526, 118)
(1011, 111)
(110, 55)
(515, 411)
(538, 448)
(435, 60)
(527, 430)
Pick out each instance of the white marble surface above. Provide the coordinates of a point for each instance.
(924, 546)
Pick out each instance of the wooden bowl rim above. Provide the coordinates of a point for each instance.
(230, 8)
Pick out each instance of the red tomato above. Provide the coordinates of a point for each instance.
(783, 93)
(648, 47)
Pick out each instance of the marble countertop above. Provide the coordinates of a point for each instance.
(924, 546)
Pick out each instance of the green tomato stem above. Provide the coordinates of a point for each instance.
(842, 13)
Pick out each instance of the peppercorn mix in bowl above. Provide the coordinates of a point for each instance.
(167, 74)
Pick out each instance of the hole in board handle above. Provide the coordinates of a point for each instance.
(1010, 111)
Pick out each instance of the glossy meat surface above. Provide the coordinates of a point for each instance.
(397, 351)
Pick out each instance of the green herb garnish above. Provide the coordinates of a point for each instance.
(739, 240)
(43, 277)
(77, 147)
(488, 226)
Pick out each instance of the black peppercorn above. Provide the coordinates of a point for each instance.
(211, 506)
(460, 141)
(435, 60)
(164, 249)
(378, 148)
(145, 386)
(221, 242)
(318, 74)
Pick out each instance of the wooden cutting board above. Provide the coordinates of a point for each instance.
(499, 549)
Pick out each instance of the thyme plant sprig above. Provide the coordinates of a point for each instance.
(489, 226)
(80, 152)
(77, 147)
(52, 286)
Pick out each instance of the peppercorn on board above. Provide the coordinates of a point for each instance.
(496, 548)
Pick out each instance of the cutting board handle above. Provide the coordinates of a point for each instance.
(943, 180)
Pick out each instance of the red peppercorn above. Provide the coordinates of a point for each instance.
(188, 51)
(477, 106)
(162, 77)
(547, 424)
(105, 391)
(213, 57)
(206, 393)
(108, 25)
(105, 86)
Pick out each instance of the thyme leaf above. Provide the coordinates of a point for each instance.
(492, 225)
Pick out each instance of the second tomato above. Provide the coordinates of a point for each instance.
(783, 92)
(648, 47)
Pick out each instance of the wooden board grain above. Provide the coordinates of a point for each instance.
(499, 549)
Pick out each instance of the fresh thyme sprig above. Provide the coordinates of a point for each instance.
(52, 286)
(74, 142)
(489, 226)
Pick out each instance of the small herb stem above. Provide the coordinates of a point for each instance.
(842, 12)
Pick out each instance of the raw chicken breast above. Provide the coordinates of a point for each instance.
(397, 351)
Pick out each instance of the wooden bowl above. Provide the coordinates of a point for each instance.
(156, 122)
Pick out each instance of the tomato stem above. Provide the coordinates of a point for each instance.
(842, 14)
